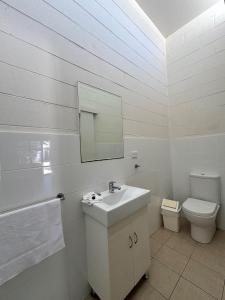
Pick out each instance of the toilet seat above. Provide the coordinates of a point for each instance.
(200, 208)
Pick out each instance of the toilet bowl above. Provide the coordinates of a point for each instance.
(202, 207)
(202, 216)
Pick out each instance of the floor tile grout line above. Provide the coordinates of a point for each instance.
(177, 235)
(185, 266)
(154, 257)
(191, 256)
(164, 242)
(157, 291)
(177, 251)
(204, 265)
(175, 286)
(196, 284)
(164, 264)
(199, 287)
(161, 245)
(168, 267)
(180, 277)
(173, 272)
(193, 282)
(195, 259)
(181, 253)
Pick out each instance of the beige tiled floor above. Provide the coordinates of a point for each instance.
(183, 269)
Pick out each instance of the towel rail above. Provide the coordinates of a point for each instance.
(60, 196)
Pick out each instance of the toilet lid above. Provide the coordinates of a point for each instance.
(200, 207)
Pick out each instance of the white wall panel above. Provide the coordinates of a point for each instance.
(137, 128)
(196, 78)
(16, 81)
(120, 15)
(95, 20)
(46, 48)
(73, 50)
(145, 26)
(102, 14)
(196, 75)
(143, 115)
(17, 111)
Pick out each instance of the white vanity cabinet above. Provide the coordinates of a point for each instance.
(118, 256)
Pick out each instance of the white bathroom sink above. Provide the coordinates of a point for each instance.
(118, 205)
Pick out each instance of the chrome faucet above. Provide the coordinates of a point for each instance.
(112, 187)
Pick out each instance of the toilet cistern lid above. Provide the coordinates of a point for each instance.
(199, 207)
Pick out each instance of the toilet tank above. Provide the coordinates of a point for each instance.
(205, 186)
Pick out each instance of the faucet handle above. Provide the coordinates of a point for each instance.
(112, 182)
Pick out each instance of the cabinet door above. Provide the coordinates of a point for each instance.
(121, 261)
(141, 251)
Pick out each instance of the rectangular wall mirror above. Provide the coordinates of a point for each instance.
(101, 124)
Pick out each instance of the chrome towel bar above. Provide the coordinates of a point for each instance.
(60, 196)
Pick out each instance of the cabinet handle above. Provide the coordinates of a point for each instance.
(130, 242)
(135, 238)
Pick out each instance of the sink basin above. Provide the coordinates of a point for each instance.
(118, 205)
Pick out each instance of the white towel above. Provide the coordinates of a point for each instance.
(28, 236)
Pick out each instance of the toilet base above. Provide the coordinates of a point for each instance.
(203, 234)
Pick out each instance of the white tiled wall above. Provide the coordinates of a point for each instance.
(46, 48)
(196, 78)
(196, 75)
(155, 172)
(24, 180)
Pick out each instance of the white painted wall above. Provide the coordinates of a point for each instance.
(155, 172)
(196, 76)
(46, 48)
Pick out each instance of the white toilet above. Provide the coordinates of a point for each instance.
(202, 208)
